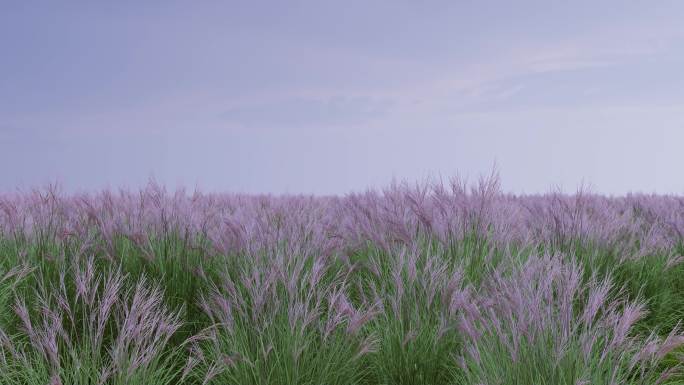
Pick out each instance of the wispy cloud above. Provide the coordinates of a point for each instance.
(568, 64)
(307, 112)
(546, 71)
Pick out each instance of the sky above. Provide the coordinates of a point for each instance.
(321, 97)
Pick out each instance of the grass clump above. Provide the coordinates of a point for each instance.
(90, 328)
(280, 320)
(542, 323)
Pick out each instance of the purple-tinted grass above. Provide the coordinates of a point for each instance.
(540, 323)
(352, 289)
(634, 224)
(89, 327)
(282, 319)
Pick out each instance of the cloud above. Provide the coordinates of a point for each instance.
(308, 112)
(568, 64)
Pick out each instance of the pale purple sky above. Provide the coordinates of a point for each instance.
(330, 97)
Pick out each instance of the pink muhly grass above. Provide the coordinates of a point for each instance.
(66, 332)
(282, 309)
(531, 306)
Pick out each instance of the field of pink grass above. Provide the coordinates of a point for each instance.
(432, 283)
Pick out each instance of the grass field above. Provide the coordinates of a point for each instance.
(437, 283)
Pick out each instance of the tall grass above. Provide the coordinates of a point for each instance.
(427, 284)
(424, 298)
(90, 328)
(283, 320)
(543, 325)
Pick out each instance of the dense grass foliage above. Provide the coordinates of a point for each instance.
(428, 284)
